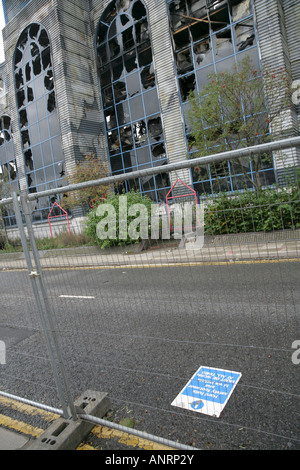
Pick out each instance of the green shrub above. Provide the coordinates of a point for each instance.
(268, 210)
(93, 219)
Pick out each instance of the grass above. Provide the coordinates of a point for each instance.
(62, 240)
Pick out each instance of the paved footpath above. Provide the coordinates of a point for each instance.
(222, 249)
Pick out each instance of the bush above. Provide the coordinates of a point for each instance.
(272, 209)
(93, 219)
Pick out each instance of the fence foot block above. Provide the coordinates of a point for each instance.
(67, 434)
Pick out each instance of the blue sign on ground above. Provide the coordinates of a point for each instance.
(208, 391)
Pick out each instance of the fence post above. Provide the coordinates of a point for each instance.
(45, 311)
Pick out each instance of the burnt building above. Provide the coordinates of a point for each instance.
(111, 79)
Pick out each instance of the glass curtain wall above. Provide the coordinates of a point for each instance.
(134, 130)
(38, 120)
(211, 36)
(8, 168)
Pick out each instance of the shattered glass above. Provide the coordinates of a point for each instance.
(128, 88)
(36, 102)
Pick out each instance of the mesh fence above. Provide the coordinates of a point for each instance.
(194, 334)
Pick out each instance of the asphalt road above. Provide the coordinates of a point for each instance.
(140, 334)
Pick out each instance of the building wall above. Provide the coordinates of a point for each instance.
(72, 24)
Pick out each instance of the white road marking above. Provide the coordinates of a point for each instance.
(77, 296)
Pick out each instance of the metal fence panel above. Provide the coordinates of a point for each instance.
(137, 320)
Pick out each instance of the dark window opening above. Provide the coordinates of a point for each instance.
(23, 118)
(48, 80)
(19, 79)
(113, 142)
(43, 39)
(29, 160)
(184, 61)
(34, 30)
(114, 47)
(187, 84)
(30, 96)
(145, 56)
(148, 77)
(158, 150)
(244, 35)
(138, 10)
(155, 128)
(130, 61)
(120, 91)
(141, 32)
(20, 98)
(219, 19)
(127, 38)
(102, 33)
(117, 68)
(126, 138)
(51, 103)
(203, 53)
(25, 139)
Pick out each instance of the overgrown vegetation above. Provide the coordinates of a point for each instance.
(90, 168)
(252, 211)
(93, 219)
(240, 108)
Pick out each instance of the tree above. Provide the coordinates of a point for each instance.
(239, 108)
(86, 170)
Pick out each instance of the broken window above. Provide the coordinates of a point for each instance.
(30, 96)
(187, 84)
(127, 39)
(148, 77)
(19, 79)
(240, 9)
(117, 68)
(48, 81)
(158, 150)
(145, 54)
(223, 46)
(155, 128)
(126, 138)
(140, 132)
(113, 142)
(138, 10)
(120, 91)
(51, 103)
(28, 72)
(130, 61)
(219, 19)
(244, 35)
(20, 98)
(141, 31)
(110, 118)
(128, 85)
(203, 53)
(184, 61)
(28, 160)
(36, 103)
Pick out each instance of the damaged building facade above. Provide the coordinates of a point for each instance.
(111, 79)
